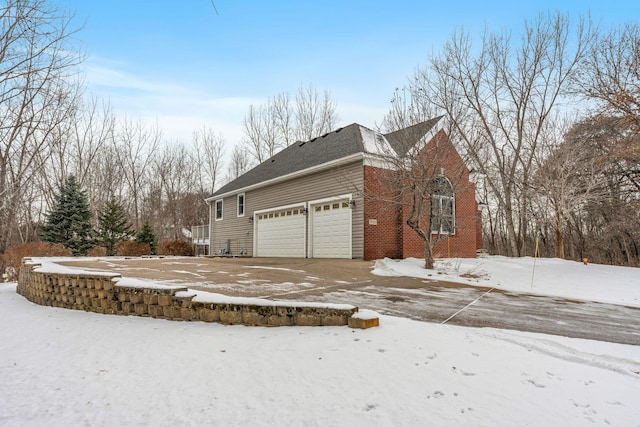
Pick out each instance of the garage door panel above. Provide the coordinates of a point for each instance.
(331, 230)
(281, 233)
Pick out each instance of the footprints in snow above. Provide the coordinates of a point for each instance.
(461, 372)
(439, 395)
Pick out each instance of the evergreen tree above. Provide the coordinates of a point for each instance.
(69, 220)
(146, 235)
(113, 226)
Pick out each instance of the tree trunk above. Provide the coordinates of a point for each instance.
(559, 243)
(428, 255)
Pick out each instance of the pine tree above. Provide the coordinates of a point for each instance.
(113, 226)
(69, 220)
(146, 235)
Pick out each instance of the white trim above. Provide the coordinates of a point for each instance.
(210, 227)
(278, 208)
(331, 199)
(215, 210)
(244, 205)
(318, 168)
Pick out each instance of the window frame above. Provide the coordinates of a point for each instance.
(215, 210)
(442, 212)
(243, 204)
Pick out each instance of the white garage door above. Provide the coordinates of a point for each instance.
(281, 233)
(331, 230)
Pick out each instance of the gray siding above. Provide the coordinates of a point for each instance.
(347, 179)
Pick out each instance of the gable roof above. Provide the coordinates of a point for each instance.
(333, 146)
(404, 139)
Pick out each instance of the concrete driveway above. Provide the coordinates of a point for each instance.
(351, 282)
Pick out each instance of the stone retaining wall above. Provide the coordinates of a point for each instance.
(100, 293)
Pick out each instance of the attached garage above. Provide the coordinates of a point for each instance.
(330, 229)
(280, 232)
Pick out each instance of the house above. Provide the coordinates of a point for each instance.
(318, 199)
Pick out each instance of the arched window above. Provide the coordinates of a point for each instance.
(443, 218)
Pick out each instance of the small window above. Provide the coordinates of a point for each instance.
(318, 208)
(288, 213)
(270, 215)
(327, 207)
(276, 215)
(218, 206)
(295, 211)
(345, 204)
(336, 206)
(241, 204)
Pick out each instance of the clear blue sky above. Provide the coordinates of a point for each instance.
(180, 63)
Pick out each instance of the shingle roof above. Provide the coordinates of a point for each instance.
(404, 139)
(332, 146)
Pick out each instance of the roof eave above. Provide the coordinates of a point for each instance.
(314, 169)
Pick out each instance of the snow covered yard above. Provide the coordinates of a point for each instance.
(64, 367)
(541, 276)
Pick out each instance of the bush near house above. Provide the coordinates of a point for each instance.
(147, 235)
(12, 257)
(97, 251)
(176, 248)
(132, 248)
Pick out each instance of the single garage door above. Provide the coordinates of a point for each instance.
(331, 229)
(281, 233)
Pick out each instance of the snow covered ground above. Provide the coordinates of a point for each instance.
(65, 368)
(542, 276)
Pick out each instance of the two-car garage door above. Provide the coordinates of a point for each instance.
(283, 232)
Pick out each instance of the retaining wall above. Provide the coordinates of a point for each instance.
(100, 292)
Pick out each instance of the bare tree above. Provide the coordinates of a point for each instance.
(610, 74)
(608, 227)
(209, 150)
(280, 122)
(421, 177)
(173, 168)
(567, 179)
(314, 114)
(498, 97)
(135, 146)
(37, 94)
(238, 164)
(75, 148)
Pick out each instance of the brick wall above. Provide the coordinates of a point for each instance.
(101, 293)
(382, 217)
(389, 236)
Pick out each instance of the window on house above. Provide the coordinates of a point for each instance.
(218, 210)
(442, 206)
(241, 204)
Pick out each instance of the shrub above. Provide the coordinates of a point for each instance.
(12, 257)
(132, 248)
(175, 247)
(147, 235)
(97, 251)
